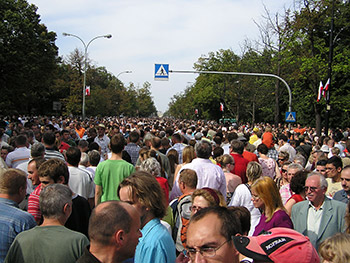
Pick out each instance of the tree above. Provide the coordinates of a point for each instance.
(28, 58)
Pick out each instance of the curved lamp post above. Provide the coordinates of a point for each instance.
(126, 71)
(85, 61)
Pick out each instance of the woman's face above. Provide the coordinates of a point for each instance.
(257, 201)
(284, 172)
(199, 202)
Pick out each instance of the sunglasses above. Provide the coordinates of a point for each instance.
(311, 188)
(283, 170)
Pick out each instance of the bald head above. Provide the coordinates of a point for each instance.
(115, 215)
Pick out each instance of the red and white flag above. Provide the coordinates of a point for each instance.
(87, 91)
(320, 92)
(196, 111)
(221, 106)
(325, 89)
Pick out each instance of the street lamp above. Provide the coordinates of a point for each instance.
(126, 71)
(85, 61)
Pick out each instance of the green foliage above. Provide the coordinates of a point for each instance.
(296, 48)
(28, 58)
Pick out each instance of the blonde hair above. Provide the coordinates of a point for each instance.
(225, 159)
(336, 248)
(268, 192)
(188, 154)
(254, 171)
(207, 194)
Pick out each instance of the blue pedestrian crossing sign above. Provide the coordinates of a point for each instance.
(290, 116)
(161, 72)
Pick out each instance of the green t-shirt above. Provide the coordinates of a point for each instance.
(54, 244)
(109, 174)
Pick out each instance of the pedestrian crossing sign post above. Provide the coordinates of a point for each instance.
(161, 72)
(290, 116)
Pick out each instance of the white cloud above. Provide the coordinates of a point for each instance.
(149, 31)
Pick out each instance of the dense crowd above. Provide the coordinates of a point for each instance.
(165, 190)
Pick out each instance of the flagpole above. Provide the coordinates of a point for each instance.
(330, 59)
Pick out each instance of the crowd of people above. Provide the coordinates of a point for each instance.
(165, 190)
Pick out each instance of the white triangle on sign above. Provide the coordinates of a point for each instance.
(161, 71)
(290, 117)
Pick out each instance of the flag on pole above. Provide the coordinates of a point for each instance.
(325, 89)
(320, 92)
(221, 106)
(87, 91)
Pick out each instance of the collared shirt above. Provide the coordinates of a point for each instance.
(156, 244)
(12, 221)
(341, 196)
(53, 154)
(209, 175)
(179, 147)
(133, 150)
(103, 142)
(18, 156)
(81, 182)
(33, 204)
(313, 222)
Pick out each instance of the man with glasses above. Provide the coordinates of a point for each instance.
(318, 217)
(209, 236)
(333, 170)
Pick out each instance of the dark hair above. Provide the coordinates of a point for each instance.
(117, 143)
(297, 182)
(114, 217)
(237, 146)
(134, 136)
(230, 224)
(262, 148)
(243, 214)
(38, 161)
(176, 137)
(94, 146)
(21, 140)
(283, 137)
(321, 162)
(218, 151)
(54, 169)
(63, 132)
(49, 138)
(94, 157)
(156, 142)
(73, 155)
(336, 161)
(83, 143)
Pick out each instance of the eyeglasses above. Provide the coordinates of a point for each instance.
(283, 170)
(311, 188)
(195, 209)
(255, 197)
(281, 159)
(206, 252)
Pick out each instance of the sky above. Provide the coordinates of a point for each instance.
(148, 32)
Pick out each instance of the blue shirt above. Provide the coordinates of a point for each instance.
(12, 221)
(156, 245)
